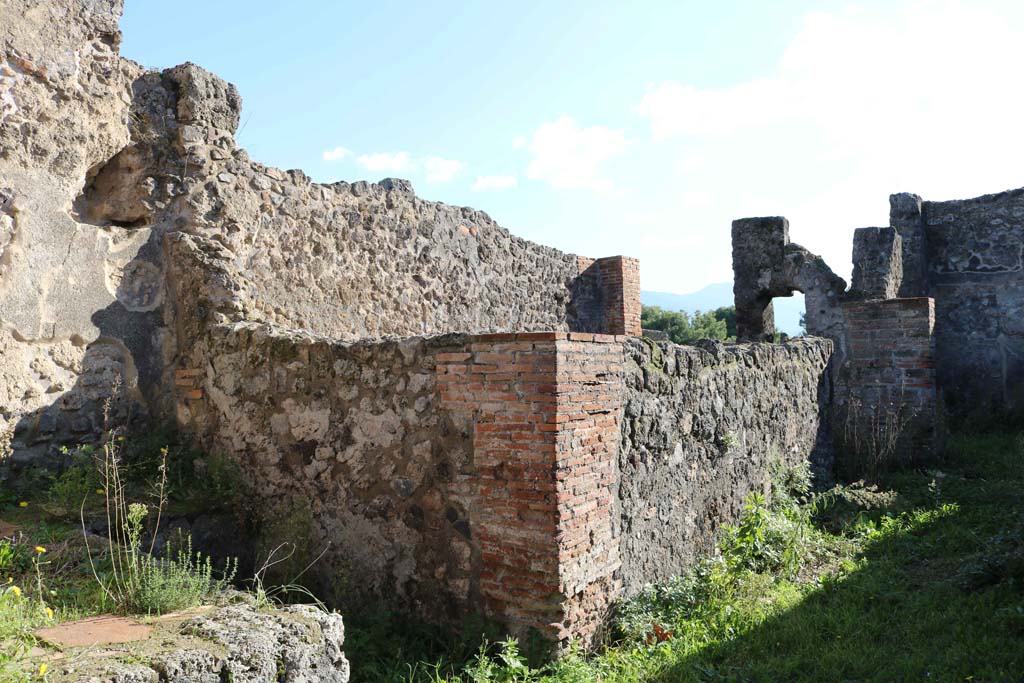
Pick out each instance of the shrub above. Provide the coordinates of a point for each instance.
(775, 536)
(184, 580)
(660, 608)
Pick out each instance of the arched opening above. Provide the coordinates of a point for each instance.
(790, 314)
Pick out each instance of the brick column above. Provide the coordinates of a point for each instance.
(620, 287)
(889, 378)
(545, 409)
(589, 386)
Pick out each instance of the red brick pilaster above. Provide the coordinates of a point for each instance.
(889, 375)
(620, 287)
(586, 468)
(545, 410)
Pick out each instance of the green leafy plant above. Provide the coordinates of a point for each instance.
(507, 665)
(659, 610)
(78, 481)
(14, 557)
(19, 615)
(776, 535)
(182, 580)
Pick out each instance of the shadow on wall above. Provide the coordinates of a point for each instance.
(114, 391)
(126, 354)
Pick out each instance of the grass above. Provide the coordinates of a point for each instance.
(32, 568)
(921, 582)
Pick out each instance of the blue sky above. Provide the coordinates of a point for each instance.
(639, 128)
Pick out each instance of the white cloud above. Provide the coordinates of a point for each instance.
(494, 182)
(336, 154)
(441, 170)
(694, 199)
(386, 162)
(567, 155)
(920, 97)
(519, 141)
(435, 169)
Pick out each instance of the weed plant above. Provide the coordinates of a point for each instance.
(139, 582)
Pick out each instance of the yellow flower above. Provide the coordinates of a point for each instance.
(40, 549)
(49, 613)
(15, 590)
(42, 669)
(23, 504)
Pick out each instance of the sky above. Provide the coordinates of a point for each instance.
(639, 128)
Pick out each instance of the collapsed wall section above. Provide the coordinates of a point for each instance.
(703, 426)
(883, 366)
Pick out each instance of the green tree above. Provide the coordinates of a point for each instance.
(684, 328)
(728, 314)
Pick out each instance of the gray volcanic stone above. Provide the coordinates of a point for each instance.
(241, 642)
(704, 425)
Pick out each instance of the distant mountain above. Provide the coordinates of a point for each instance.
(787, 310)
(707, 299)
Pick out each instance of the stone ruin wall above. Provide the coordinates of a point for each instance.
(930, 326)
(500, 457)
(533, 477)
(101, 159)
(973, 262)
(703, 426)
(885, 405)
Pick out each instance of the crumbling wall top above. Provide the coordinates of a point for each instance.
(767, 265)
